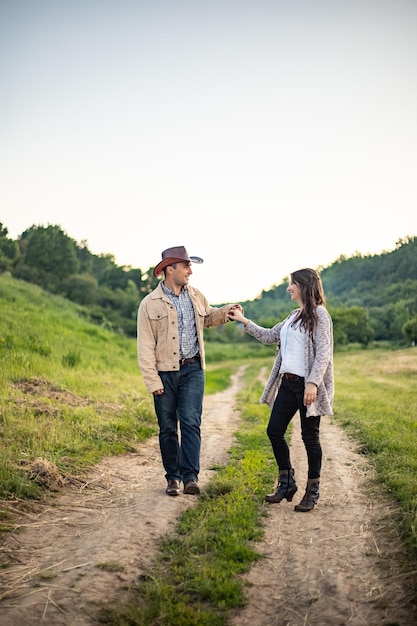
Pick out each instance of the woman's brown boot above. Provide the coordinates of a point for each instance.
(310, 497)
(286, 488)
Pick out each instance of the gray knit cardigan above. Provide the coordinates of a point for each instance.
(318, 358)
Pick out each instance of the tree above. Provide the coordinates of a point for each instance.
(351, 325)
(51, 252)
(9, 251)
(410, 330)
(80, 288)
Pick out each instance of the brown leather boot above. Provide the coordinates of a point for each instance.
(286, 488)
(310, 497)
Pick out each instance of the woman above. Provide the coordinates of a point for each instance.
(303, 376)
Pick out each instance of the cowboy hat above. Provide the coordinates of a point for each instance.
(175, 255)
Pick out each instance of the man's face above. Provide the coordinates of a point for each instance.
(182, 272)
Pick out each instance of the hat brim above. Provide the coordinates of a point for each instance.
(170, 260)
(196, 259)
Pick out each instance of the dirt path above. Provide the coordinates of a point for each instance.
(339, 565)
(335, 566)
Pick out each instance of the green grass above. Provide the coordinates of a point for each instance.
(71, 393)
(376, 402)
(196, 579)
(218, 378)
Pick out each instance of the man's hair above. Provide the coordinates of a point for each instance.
(174, 265)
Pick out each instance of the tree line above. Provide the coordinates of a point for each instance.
(371, 298)
(48, 257)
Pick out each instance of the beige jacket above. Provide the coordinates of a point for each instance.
(158, 336)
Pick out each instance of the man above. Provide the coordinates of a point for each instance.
(171, 358)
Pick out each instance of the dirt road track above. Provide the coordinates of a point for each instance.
(340, 565)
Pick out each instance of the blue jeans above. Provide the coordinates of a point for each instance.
(182, 401)
(288, 401)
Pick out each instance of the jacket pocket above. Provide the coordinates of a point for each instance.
(155, 316)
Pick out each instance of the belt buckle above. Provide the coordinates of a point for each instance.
(190, 360)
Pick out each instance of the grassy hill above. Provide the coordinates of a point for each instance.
(70, 391)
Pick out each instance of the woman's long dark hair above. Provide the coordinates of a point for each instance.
(312, 294)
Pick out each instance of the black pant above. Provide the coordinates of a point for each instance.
(288, 401)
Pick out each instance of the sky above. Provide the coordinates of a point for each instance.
(263, 135)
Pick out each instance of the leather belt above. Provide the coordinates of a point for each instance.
(292, 376)
(193, 359)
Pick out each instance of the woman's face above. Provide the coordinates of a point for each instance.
(295, 292)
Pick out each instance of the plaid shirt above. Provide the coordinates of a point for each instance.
(186, 322)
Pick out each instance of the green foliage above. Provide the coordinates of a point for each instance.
(81, 288)
(410, 330)
(351, 325)
(49, 258)
(373, 296)
(236, 351)
(9, 251)
(369, 278)
(71, 359)
(51, 252)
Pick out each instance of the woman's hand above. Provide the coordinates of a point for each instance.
(236, 314)
(310, 394)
